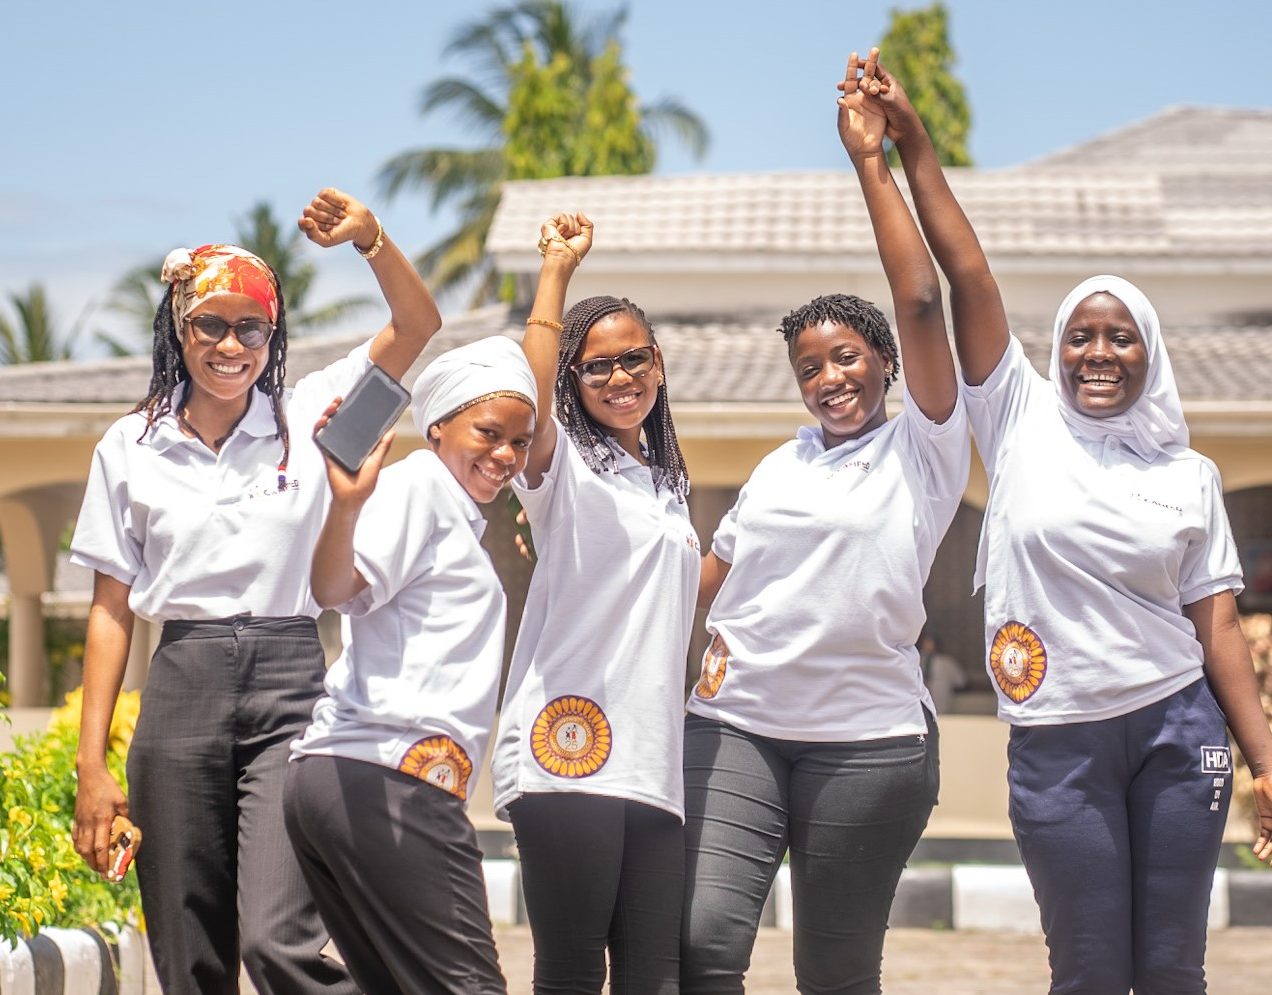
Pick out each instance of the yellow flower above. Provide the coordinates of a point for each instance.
(37, 858)
(19, 816)
(58, 890)
(123, 720)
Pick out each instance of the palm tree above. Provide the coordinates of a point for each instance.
(532, 42)
(33, 339)
(137, 294)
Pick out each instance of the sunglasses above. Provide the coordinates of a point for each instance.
(252, 333)
(597, 372)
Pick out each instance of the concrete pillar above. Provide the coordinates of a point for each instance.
(28, 665)
(139, 654)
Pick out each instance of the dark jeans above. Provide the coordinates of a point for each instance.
(850, 814)
(601, 873)
(1119, 824)
(222, 703)
(394, 865)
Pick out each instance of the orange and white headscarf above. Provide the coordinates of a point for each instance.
(213, 270)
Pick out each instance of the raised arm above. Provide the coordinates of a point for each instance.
(916, 291)
(98, 796)
(332, 218)
(333, 577)
(564, 241)
(981, 332)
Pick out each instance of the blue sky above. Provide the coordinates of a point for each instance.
(135, 127)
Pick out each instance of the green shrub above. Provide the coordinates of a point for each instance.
(43, 881)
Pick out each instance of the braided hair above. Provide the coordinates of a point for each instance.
(589, 436)
(169, 369)
(852, 312)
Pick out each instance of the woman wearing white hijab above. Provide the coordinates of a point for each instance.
(1110, 579)
(376, 794)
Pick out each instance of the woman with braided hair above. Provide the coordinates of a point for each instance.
(810, 730)
(587, 762)
(202, 509)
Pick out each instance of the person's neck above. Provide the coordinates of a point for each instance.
(210, 419)
(629, 441)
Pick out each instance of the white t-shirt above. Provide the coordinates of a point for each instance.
(202, 535)
(1091, 555)
(595, 697)
(417, 684)
(824, 601)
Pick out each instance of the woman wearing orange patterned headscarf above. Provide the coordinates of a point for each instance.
(202, 509)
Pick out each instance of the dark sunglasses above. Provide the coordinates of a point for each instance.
(251, 332)
(597, 372)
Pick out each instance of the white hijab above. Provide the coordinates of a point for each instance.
(1155, 422)
(489, 367)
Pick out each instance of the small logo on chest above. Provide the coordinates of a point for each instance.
(1156, 502)
(266, 490)
(853, 464)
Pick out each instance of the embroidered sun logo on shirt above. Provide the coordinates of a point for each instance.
(1018, 660)
(571, 737)
(441, 762)
(715, 662)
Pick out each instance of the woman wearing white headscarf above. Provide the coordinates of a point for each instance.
(375, 797)
(1110, 579)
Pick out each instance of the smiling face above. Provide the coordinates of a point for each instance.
(226, 370)
(485, 446)
(1103, 359)
(623, 404)
(841, 377)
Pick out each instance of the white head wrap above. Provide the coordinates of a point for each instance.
(490, 367)
(1155, 422)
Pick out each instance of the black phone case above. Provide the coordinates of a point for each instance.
(353, 431)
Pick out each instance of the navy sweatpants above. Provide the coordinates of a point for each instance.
(1119, 824)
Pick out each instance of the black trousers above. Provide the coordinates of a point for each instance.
(395, 868)
(601, 874)
(850, 815)
(219, 881)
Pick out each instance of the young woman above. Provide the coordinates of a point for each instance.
(811, 729)
(375, 798)
(201, 512)
(1110, 614)
(587, 763)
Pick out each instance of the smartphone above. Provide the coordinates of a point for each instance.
(369, 410)
(125, 838)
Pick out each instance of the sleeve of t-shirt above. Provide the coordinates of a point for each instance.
(391, 540)
(1210, 563)
(104, 538)
(314, 392)
(943, 450)
(994, 406)
(557, 488)
(724, 541)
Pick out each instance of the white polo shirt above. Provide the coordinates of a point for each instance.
(1091, 554)
(822, 607)
(417, 684)
(202, 535)
(595, 697)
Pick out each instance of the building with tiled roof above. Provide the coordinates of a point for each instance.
(716, 260)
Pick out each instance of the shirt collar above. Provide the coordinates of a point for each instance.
(812, 444)
(258, 422)
(470, 508)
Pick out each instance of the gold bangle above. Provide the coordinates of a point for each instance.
(545, 241)
(377, 245)
(555, 325)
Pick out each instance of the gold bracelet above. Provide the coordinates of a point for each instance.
(545, 241)
(555, 325)
(377, 245)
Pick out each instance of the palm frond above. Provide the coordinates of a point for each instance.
(469, 103)
(329, 314)
(669, 115)
(448, 174)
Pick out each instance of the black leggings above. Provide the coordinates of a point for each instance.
(601, 873)
(850, 814)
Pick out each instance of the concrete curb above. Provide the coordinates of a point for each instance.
(78, 961)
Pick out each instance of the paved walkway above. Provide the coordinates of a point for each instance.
(935, 962)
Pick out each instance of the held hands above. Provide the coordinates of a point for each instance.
(565, 237)
(333, 217)
(870, 91)
(353, 488)
(97, 801)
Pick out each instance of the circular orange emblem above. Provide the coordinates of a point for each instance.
(715, 661)
(1018, 661)
(441, 762)
(571, 737)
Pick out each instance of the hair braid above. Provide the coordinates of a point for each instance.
(852, 312)
(168, 369)
(588, 436)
